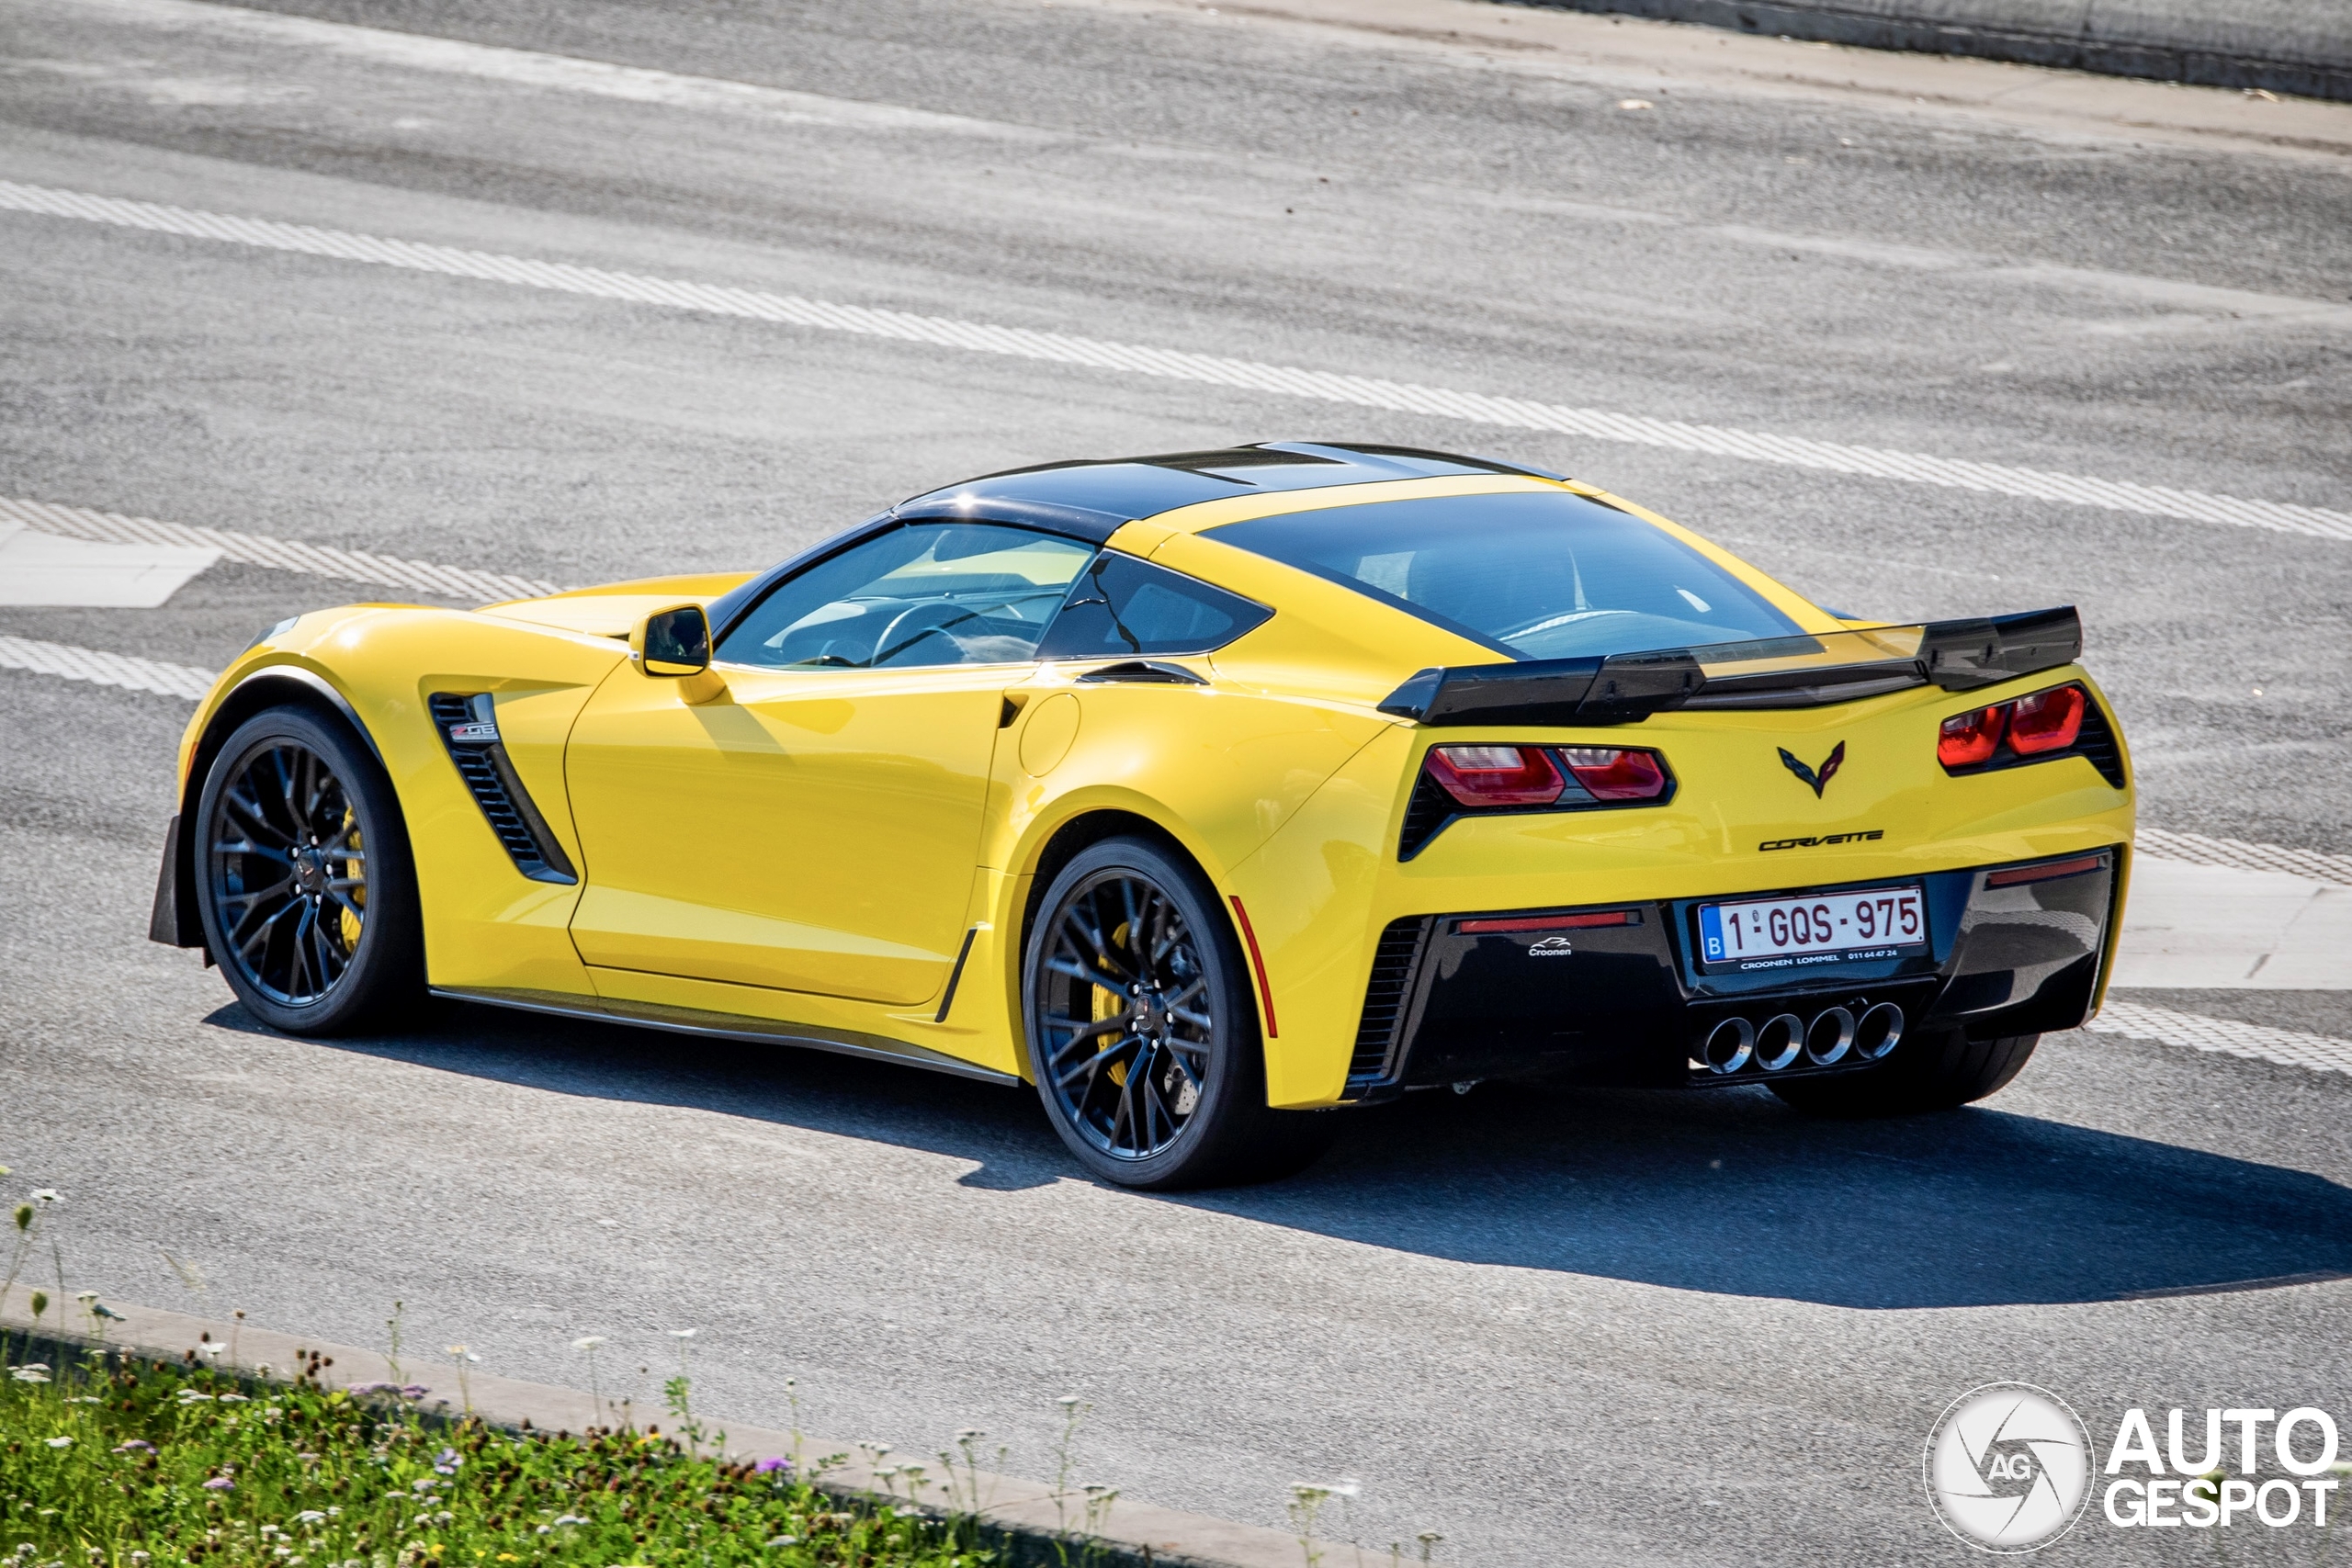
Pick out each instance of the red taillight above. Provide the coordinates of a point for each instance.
(2046, 721)
(1969, 738)
(1497, 775)
(1609, 774)
(2034, 727)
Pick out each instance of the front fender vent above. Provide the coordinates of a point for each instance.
(468, 728)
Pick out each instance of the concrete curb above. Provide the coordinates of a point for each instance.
(2146, 45)
(1026, 1516)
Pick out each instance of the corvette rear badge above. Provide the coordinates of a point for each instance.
(1819, 779)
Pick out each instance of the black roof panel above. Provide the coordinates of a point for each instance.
(1093, 497)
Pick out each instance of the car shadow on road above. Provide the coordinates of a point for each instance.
(1727, 1192)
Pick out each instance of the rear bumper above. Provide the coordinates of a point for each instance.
(2011, 949)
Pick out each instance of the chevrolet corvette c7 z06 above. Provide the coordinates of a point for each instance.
(1208, 793)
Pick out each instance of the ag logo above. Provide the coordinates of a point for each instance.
(1551, 947)
(2008, 1467)
(1819, 778)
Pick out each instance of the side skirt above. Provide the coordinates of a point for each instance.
(727, 1026)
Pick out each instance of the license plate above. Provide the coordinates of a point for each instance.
(1821, 928)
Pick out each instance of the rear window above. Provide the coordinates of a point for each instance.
(1539, 576)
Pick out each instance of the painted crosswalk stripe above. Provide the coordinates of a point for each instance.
(104, 669)
(2258, 1041)
(2154, 843)
(287, 554)
(1319, 386)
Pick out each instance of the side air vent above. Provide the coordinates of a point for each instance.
(1385, 997)
(1429, 809)
(2096, 744)
(469, 727)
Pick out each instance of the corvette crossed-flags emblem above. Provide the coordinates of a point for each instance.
(1819, 778)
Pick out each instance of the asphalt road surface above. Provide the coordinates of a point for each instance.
(1607, 1328)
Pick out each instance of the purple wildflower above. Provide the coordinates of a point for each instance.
(772, 1464)
(136, 1445)
(219, 1484)
(415, 1391)
(447, 1461)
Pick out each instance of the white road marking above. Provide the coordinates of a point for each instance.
(2205, 306)
(2226, 926)
(2319, 1052)
(289, 555)
(2195, 849)
(38, 568)
(1318, 386)
(104, 669)
(565, 73)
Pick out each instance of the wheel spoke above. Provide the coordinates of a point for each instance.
(331, 962)
(1091, 977)
(1082, 1029)
(271, 891)
(255, 819)
(1096, 943)
(1093, 1061)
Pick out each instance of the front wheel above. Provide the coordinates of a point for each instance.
(1939, 1073)
(1143, 1030)
(303, 878)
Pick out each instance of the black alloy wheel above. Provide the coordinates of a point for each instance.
(306, 891)
(1143, 1031)
(1128, 1010)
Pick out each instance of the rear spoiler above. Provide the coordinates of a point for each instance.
(1779, 673)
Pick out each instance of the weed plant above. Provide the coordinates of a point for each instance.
(107, 1461)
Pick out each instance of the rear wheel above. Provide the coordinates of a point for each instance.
(1931, 1073)
(1143, 1030)
(304, 882)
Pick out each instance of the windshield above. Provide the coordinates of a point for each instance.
(1539, 575)
(932, 594)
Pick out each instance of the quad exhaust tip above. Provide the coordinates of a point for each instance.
(1835, 1035)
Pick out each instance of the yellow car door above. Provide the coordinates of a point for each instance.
(807, 818)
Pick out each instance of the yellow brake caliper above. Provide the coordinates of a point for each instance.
(359, 894)
(1109, 1003)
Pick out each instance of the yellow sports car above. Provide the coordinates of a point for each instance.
(1208, 792)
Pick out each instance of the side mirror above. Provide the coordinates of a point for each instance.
(673, 642)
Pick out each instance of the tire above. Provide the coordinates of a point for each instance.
(312, 942)
(1949, 1071)
(1173, 1093)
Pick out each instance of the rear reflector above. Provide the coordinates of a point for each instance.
(1497, 775)
(2048, 871)
(1610, 774)
(1551, 922)
(1968, 738)
(2046, 721)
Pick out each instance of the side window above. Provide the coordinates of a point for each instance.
(1122, 606)
(931, 594)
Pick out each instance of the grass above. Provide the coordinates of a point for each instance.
(107, 1461)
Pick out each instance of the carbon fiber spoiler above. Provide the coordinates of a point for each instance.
(1781, 672)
